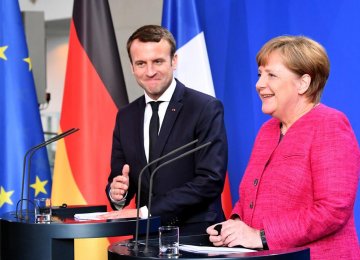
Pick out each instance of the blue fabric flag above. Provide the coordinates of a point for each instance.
(20, 124)
(180, 17)
(193, 68)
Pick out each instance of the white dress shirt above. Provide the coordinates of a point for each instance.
(165, 98)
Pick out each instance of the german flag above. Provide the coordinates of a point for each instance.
(94, 91)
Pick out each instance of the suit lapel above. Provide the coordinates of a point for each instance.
(139, 130)
(171, 114)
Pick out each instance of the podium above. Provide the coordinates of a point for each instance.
(20, 239)
(123, 251)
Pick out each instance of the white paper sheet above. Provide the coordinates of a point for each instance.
(213, 249)
(88, 216)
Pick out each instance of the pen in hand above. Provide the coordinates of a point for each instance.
(218, 228)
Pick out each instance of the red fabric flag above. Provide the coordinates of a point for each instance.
(226, 198)
(94, 91)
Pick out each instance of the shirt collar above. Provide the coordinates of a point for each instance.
(166, 96)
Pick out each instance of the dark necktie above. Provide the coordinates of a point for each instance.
(153, 129)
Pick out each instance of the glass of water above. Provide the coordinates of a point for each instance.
(168, 241)
(42, 210)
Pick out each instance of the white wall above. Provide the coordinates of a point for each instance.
(53, 9)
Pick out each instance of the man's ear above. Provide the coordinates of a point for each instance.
(305, 81)
(174, 61)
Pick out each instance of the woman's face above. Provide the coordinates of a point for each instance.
(278, 88)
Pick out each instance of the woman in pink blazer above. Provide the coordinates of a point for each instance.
(300, 185)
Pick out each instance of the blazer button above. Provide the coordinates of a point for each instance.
(256, 181)
(251, 205)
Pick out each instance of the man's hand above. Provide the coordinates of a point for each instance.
(124, 213)
(120, 184)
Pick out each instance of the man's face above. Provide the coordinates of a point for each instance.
(152, 66)
(278, 89)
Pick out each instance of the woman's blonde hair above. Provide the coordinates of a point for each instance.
(301, 55)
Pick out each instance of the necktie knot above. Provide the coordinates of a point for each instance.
(155, 105)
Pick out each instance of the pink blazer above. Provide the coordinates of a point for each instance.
(302, 190)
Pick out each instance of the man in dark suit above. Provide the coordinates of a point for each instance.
(186, 192)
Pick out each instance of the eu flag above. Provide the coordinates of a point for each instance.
(20, 124)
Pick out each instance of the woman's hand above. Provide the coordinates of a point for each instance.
(235, 232)
(215, 236)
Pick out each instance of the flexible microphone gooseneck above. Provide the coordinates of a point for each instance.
(29, 154)
(139, 186)
(146, 250)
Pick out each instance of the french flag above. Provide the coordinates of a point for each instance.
(181, 18)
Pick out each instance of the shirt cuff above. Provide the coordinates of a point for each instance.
(119, 204)
(143, 212)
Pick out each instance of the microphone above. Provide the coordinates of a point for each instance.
(146, 250)
(139, 185)
(30, 154)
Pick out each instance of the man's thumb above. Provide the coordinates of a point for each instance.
(126, 170)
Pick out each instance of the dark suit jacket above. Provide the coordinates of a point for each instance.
(186, 191)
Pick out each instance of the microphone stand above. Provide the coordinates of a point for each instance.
(139, 186)
(146, 250)
(31, 151)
